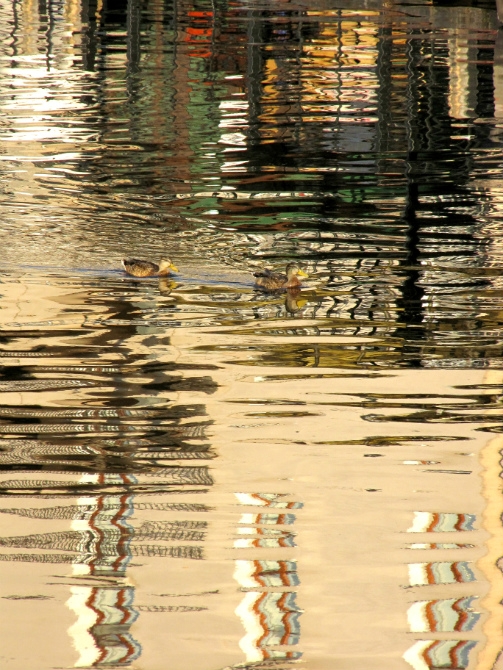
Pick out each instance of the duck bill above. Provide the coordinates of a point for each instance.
(173, 267)
(302, 273)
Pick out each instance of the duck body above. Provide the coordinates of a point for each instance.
(139, 268)
(273, 281)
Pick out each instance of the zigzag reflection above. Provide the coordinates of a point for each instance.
(441, 615)
(268, 610)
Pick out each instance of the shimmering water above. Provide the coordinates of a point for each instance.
(197, 474)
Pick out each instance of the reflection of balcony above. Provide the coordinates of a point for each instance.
(105, 534)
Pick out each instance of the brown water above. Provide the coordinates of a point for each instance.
(194, 473)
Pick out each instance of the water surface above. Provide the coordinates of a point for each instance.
(197, 474)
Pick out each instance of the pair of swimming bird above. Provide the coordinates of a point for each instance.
(264, 279)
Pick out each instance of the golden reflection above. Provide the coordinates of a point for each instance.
(319, 130)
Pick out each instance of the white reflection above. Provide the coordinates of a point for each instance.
(414, 654)
(86, 618)
(251, 623)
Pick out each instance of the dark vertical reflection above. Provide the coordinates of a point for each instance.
(412, 294)
(133, 37)
(89, 9)
(254, 74)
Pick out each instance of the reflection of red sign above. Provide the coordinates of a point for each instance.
(198, 33)
(200, 14)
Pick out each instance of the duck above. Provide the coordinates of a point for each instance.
(139, 268)
(272, 281)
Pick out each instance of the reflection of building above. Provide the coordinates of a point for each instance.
(101, 633)
(338, 104)
(268, 608)
(450, 614)
(442, 615)
(100, 546)
(105, 615)
(434, 654)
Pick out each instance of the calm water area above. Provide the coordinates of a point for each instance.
(199, 475)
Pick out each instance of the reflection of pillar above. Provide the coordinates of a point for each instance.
(498, 75)
(104, 614)
(447, 615)
(133, 36)
(90, 14)
(254, 73)
(107, 549)
(270, 620)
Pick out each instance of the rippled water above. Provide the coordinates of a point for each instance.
(198, 474)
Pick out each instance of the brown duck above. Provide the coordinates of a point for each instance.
(138, 268)
(272, 281)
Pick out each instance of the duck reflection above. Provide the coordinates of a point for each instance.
(293, 301)
(166, 285)
(290, 302)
